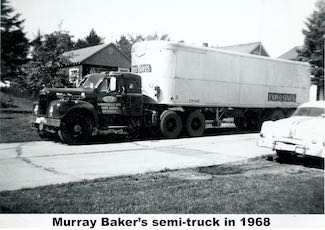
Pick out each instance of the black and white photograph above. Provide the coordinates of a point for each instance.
(210, 107)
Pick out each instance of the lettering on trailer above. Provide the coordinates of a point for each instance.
(144, 68)
(282, 97)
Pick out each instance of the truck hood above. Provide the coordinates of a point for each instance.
(52, 93)
(298, 127)
(73, 91)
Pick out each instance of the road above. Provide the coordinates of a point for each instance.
(31, 164)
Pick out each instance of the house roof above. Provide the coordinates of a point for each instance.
(80, 55)
(291, 54)
(247, 48)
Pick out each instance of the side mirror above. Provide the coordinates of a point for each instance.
(112, 84)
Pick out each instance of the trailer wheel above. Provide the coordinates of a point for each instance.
(75, 128)
(170, 124)
(195, 124)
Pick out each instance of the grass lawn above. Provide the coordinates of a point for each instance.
(16, 102)
(258, 186)
(16, 127)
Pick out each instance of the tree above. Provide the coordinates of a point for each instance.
(125, 44)
(81, 43)
(91, 40)
(44, 68)
(312, 50)
(14, 44)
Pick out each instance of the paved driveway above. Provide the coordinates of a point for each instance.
(31, 164)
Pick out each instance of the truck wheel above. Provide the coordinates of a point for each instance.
(195, 124)
(75, 128)
(170, 124)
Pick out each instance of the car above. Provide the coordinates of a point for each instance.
(301, 135)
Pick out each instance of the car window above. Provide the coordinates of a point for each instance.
(309, 111)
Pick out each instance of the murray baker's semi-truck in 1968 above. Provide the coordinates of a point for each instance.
(175, 87)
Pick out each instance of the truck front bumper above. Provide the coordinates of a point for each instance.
(45, 123)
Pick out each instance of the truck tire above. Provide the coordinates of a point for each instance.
(170, 124)
(75, 128)
(195, 124)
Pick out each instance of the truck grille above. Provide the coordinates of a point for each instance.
(43, 104)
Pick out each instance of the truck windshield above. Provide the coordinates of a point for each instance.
(309, 111)
(92, 81)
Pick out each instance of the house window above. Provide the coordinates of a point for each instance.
(73, 75)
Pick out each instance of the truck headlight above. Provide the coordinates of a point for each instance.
(60, 96)
(51, 111)
(35, 109)
(82, 95)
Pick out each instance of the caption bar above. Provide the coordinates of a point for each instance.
(162, 222)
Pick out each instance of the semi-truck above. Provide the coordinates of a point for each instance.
(175, 88)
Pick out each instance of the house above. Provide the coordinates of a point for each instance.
(255, 48)
(291, 54)
(95, 59)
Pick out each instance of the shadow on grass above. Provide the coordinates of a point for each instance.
(307, 161)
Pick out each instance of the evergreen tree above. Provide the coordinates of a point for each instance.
(124, 45)
(14, 44)
(81, 43)
(313, 48)
(91, 40)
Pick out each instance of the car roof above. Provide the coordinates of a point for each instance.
(317, 104)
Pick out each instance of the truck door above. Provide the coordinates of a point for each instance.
(133, 100)
(108, 102)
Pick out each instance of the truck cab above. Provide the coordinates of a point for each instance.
(103, 103)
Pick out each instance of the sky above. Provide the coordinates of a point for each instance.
(277, 24)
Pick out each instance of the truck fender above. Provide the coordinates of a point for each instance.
(86, 107)
(62, 108)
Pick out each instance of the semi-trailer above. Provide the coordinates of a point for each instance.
(175, 87)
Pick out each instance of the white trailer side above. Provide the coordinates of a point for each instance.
(207, 77)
